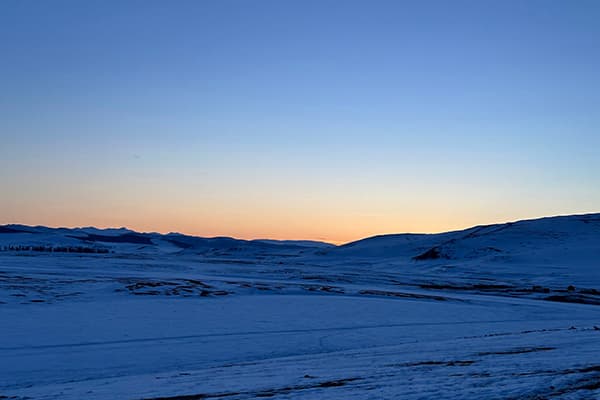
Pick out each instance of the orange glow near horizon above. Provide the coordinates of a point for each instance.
(311, 207)
(335, 229)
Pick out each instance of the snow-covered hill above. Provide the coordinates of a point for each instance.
(574, 237)
(555, 251)
(122, 240)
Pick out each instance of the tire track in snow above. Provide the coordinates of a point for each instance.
(253, 333)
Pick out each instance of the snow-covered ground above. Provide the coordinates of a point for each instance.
(507, 311)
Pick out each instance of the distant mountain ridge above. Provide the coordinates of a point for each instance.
(559, 239)
(23, 237)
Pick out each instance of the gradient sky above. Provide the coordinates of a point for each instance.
(329, 120)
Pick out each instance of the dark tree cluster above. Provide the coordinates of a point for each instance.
(56, 249)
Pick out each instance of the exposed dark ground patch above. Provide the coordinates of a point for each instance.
(453, 363)
(325, 288)
(183, 288)
(6, 229)
(476, 286)
(326, 279)
(261, 393)
(589, 382)
(133, 238)
(431, 254)
(402, 295)
(569, 295)
(577, 298)
(519, 350)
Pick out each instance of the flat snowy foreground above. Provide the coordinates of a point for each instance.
(102, 327)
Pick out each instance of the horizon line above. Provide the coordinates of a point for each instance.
(326, 241)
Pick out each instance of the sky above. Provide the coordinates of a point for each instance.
(325, 120)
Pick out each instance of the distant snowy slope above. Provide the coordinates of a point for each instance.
(119, 240)
(568, 238)
(404, 245)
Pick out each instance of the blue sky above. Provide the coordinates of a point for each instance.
(298, 119)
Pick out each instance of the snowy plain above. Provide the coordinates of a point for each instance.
(509, 311)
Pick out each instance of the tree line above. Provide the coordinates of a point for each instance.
(56, 249)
